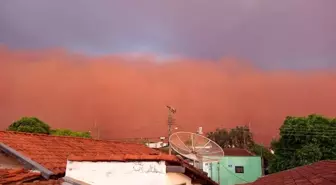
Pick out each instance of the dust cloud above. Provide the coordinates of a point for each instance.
(126, 95)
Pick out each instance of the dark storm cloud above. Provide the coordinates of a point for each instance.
(272, 34)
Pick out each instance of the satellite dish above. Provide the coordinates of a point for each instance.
(195, 147)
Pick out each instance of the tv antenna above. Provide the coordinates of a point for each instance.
(171, 111)
(196, 147)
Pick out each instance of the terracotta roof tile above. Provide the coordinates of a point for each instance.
(46, 182)
(237, 152)
(8, 176)
(323, 173)
(52, 151)
(127, 157)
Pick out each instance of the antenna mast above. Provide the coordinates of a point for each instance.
(171, 111)
(96, 128)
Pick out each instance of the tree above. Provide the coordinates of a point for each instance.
(35, 125)
(239, 137)
(30, 124)
(264, 152)
(304, 140)
(67, 132)
(221, 137)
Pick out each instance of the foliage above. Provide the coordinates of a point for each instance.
(29, 124)
(304, 140)
(239, 137)
(221, 137)
(67, 132)
(266, 154)
(34, 125)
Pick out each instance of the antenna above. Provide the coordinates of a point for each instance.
(196, 147)
(96, 128)
(171, 111)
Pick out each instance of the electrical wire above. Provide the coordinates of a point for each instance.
(233, 173)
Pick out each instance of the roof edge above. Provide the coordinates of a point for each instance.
(123, 158)
(44, 171)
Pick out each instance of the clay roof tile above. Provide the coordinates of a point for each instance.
(8, 176)
(322, 172)
(52, 151)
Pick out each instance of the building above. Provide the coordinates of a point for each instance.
(236, 167)
(157, 143)
(319, 173)
(44, 159)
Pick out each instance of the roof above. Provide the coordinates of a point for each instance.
(237, 152)
(191, 170)
(8, 176)
(45, 182)
(323, 173)
(123, 158)
(51, 152)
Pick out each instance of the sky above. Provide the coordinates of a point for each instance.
(286, 34)
(119, 63)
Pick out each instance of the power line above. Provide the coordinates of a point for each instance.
(233, 173)
(314, 129)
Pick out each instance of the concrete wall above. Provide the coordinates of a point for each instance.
(125, 173)
(8, 162)
(227, 175)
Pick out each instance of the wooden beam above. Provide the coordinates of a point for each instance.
(198, 181)
(175, 169)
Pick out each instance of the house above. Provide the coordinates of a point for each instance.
(157, 143)
(44, 159)
(319, 173)
(236, 167)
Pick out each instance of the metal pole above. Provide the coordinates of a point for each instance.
(169, 129)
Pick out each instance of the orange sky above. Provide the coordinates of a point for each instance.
(127, 95)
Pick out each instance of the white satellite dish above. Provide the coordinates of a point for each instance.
(195, 147)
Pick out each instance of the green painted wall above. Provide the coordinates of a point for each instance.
(227, 174)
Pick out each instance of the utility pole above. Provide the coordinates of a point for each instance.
(171, 111)
(96, 128)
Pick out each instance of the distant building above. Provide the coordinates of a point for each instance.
(157, 143)
(236, 167)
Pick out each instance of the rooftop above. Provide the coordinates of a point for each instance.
(323, 173)
(52, 152)
(8, 176)
(49, 154)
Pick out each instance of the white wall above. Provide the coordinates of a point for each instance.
(157, 145)
(118, 173)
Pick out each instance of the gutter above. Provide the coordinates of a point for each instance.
(44, 171)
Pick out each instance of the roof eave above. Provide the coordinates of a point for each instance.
(44, 171)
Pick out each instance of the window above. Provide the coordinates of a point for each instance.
(239, 169)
